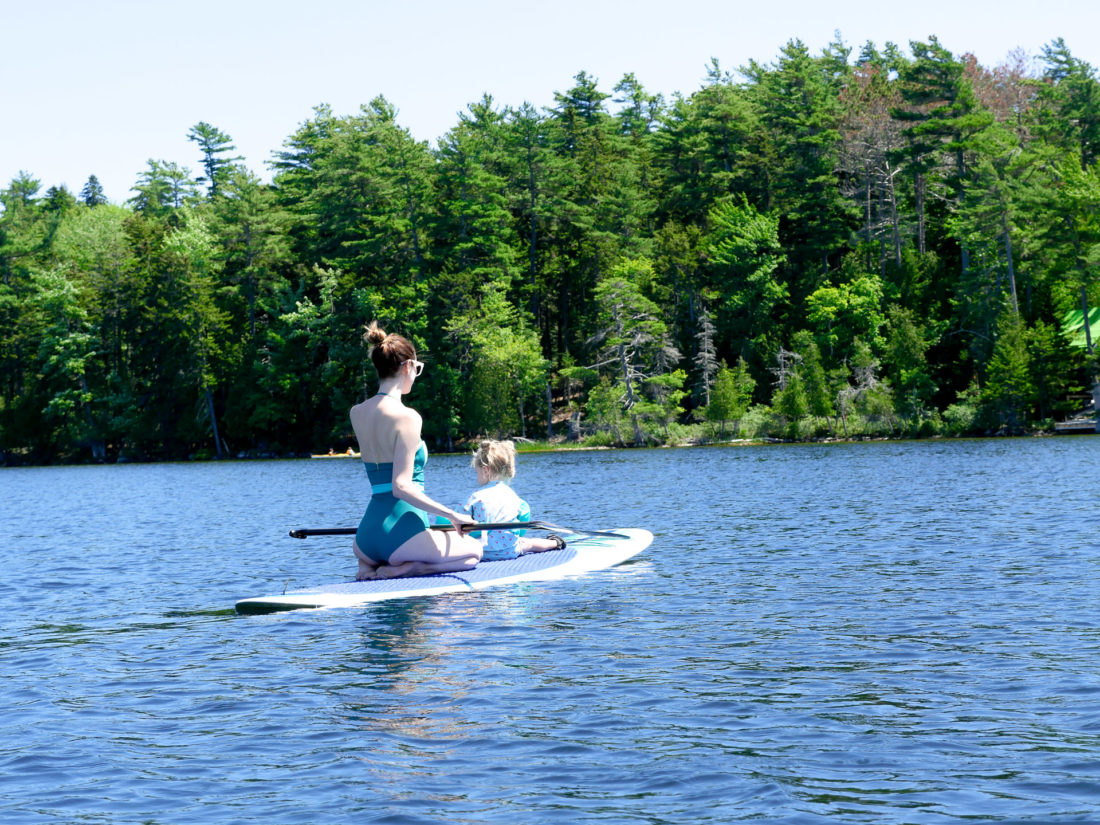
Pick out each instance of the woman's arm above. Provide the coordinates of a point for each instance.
(404, 456)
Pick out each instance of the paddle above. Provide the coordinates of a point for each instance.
(302, 533)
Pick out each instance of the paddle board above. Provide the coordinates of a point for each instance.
(582, 555)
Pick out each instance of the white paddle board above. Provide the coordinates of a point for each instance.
(582, 555)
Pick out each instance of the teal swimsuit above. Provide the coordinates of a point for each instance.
(389, 522)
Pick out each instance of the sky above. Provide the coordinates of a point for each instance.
(102, 86)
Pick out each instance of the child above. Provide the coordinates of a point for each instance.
(495, 501)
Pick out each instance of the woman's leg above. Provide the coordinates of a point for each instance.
(367, 566)
(432, 551)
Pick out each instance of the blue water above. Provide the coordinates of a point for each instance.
(872, 633)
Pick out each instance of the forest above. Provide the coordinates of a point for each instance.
(856, 243)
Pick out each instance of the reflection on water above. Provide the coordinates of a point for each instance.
(820, 633)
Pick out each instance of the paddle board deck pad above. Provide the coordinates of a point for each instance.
(582, 555)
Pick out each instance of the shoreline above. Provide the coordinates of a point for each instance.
(532, 447)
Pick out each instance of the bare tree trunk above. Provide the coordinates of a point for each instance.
(549, 413)
(522, 416)
(1011, 266)
(213, 422)
(1088, 347)
(894, 221)
(919, 192)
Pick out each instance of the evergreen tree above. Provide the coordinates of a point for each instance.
(213, 143)
(797, 101)
(732, 394)
(1055, 368)
(531, 168)
(92, 193)
(906, 350)
(812, 373)
(942, 113)
(478, 243)
(631, 340)
(745, 257)
(163, 187)
(1009, 389)
(1068, 111)
(601, 207)
(790, 401)
(709, 148)
(506, 371)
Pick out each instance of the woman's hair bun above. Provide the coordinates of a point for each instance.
(374, 335)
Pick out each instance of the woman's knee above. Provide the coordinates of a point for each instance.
(464, 546)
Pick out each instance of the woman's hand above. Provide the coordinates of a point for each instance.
(460, 520)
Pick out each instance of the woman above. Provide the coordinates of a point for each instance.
(393, 538)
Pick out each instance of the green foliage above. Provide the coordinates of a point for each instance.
(732, 395)
(604, 409)
(1009, 388)
(92, 193)
(851, 310)
(812, 374)
(906, 354)
(213, 143)
(506, 370)
(914, 227)
(1056, 370)
(163, 187)
(745, 255)
(964, 415)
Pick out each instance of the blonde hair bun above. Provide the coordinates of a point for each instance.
(498, 457)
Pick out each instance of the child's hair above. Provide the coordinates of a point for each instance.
(498, 457)
(388, 351)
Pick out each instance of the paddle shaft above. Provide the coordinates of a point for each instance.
(302, 533)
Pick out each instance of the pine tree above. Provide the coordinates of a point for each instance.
(797, 104)
(631, 340)
(732, 394)
(478, 244)
(1068, 111)
(745, 257)
(942, 113)
(1009, 389)
(92, 193)
(818, 395)
(213, 143)
(163, 186)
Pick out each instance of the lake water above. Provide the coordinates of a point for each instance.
(872, 633)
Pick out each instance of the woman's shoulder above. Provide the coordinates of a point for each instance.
(409, 420)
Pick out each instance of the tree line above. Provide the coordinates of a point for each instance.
(846, 243)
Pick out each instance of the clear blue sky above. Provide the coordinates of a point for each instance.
(101, 87)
